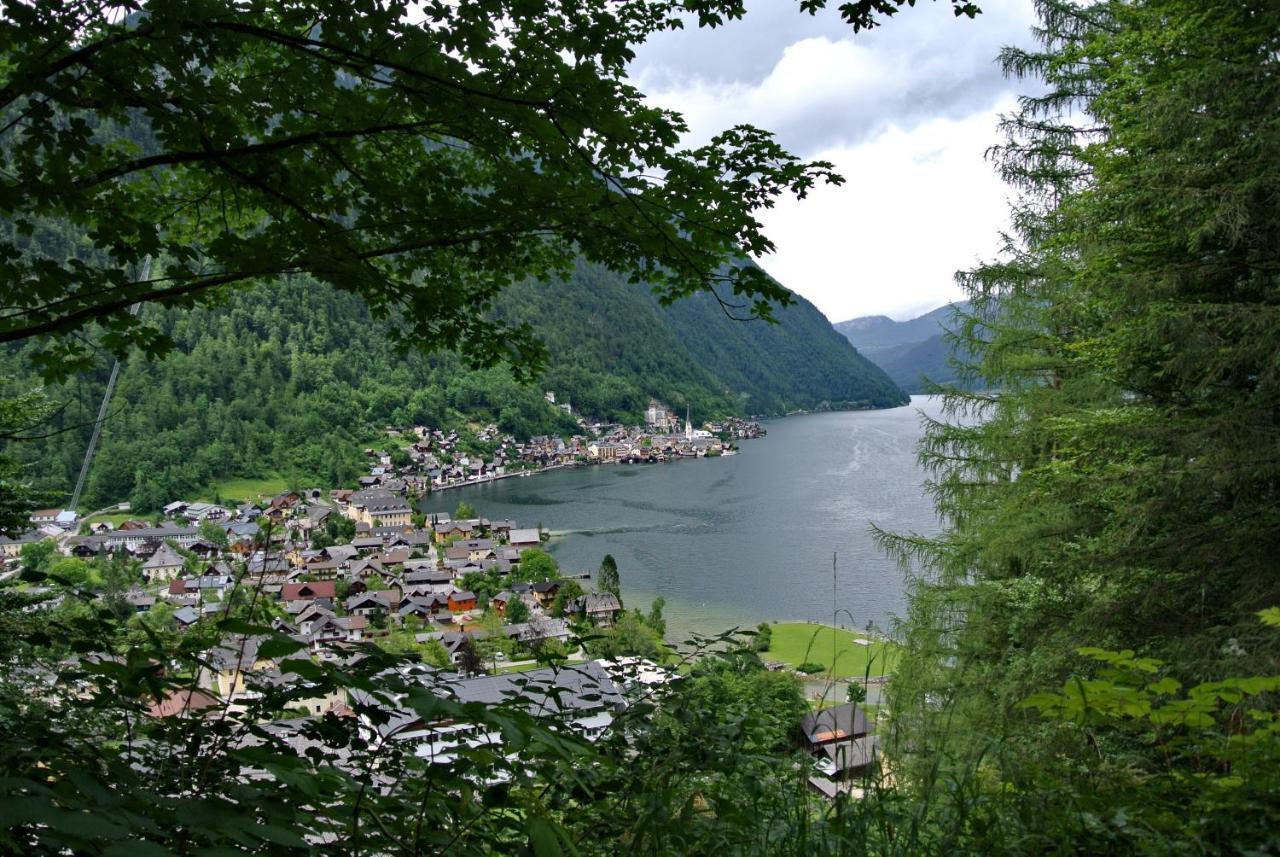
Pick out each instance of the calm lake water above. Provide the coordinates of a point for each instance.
(738, 540)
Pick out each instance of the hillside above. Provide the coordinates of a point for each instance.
(292, 380)
(613, 347)
(908, 351)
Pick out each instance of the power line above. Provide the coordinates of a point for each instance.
(106, 401)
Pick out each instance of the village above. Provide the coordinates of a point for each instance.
(434, 459)
(478, 603)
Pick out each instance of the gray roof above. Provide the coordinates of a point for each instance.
(600, 602)
(164, 557)
(526, 536)
(851, 755)
(569, 690)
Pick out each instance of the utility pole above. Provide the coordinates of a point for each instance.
(835, 612)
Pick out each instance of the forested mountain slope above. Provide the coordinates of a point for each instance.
(908, 351)
(292, 379)
(612, 346)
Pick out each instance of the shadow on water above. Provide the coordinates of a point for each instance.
(530, 500)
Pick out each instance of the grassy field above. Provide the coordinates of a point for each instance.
(797, 642)
(250, 489)
(115, 518)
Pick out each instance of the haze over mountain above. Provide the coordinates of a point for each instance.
(908, 351)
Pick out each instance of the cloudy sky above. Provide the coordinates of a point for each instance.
(905, 111)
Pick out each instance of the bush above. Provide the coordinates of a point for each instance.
(764, 637)
(809, 667)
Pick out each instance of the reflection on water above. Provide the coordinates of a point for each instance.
(737, 540)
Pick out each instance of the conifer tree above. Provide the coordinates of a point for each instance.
(1116, 482)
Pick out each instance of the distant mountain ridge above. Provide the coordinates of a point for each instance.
(908, 351)
(597, 325)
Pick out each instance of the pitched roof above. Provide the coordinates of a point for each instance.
(524, 537)
(837, 723)
(312, 589)
(600, 602)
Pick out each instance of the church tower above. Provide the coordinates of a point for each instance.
(688, 426)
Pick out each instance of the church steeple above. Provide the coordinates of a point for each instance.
(688, 426)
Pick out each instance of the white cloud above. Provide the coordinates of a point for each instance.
(918, 205)
(905, 112)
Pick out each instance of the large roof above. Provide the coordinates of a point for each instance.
(835, 724)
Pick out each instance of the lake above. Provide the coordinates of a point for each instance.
(745, 538)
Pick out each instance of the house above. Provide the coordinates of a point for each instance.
(424, 606)
(501, 529)
(44, 516)
(337, 629)
(227, 664)
(185, 702)
(368, 603)
(367, 545)
(138, 539)
(461, 601)
(363, 568)
(545, 591)
(582, 697)
(285, 500)
(500, 601)
(527, 538)
(165, 564)
(601, 608)
(453, 530)
(12, 547)
(196, 512)
(140, 600)
(309, 615)
(539, 630)
(309, 591)
(204, 549)
(186, 616)
(320, 700)
(472, 550)
(839, 738)
(379, 508)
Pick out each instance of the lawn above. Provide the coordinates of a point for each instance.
(115, 519)
(249, 489)
(795, 643)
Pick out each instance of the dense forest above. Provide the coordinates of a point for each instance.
(294, 378)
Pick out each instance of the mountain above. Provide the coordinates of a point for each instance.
(294, 379)
(613, 346)
(908, 351)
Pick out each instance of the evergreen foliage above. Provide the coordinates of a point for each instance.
(1120, 489)
(607, 580)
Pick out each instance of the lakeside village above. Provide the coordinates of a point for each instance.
(434, 460)
(479, 603)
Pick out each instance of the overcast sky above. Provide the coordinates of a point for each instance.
(905, 111)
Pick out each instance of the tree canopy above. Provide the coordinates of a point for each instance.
(421, 155)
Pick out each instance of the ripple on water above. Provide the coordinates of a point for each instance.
(749, 538)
